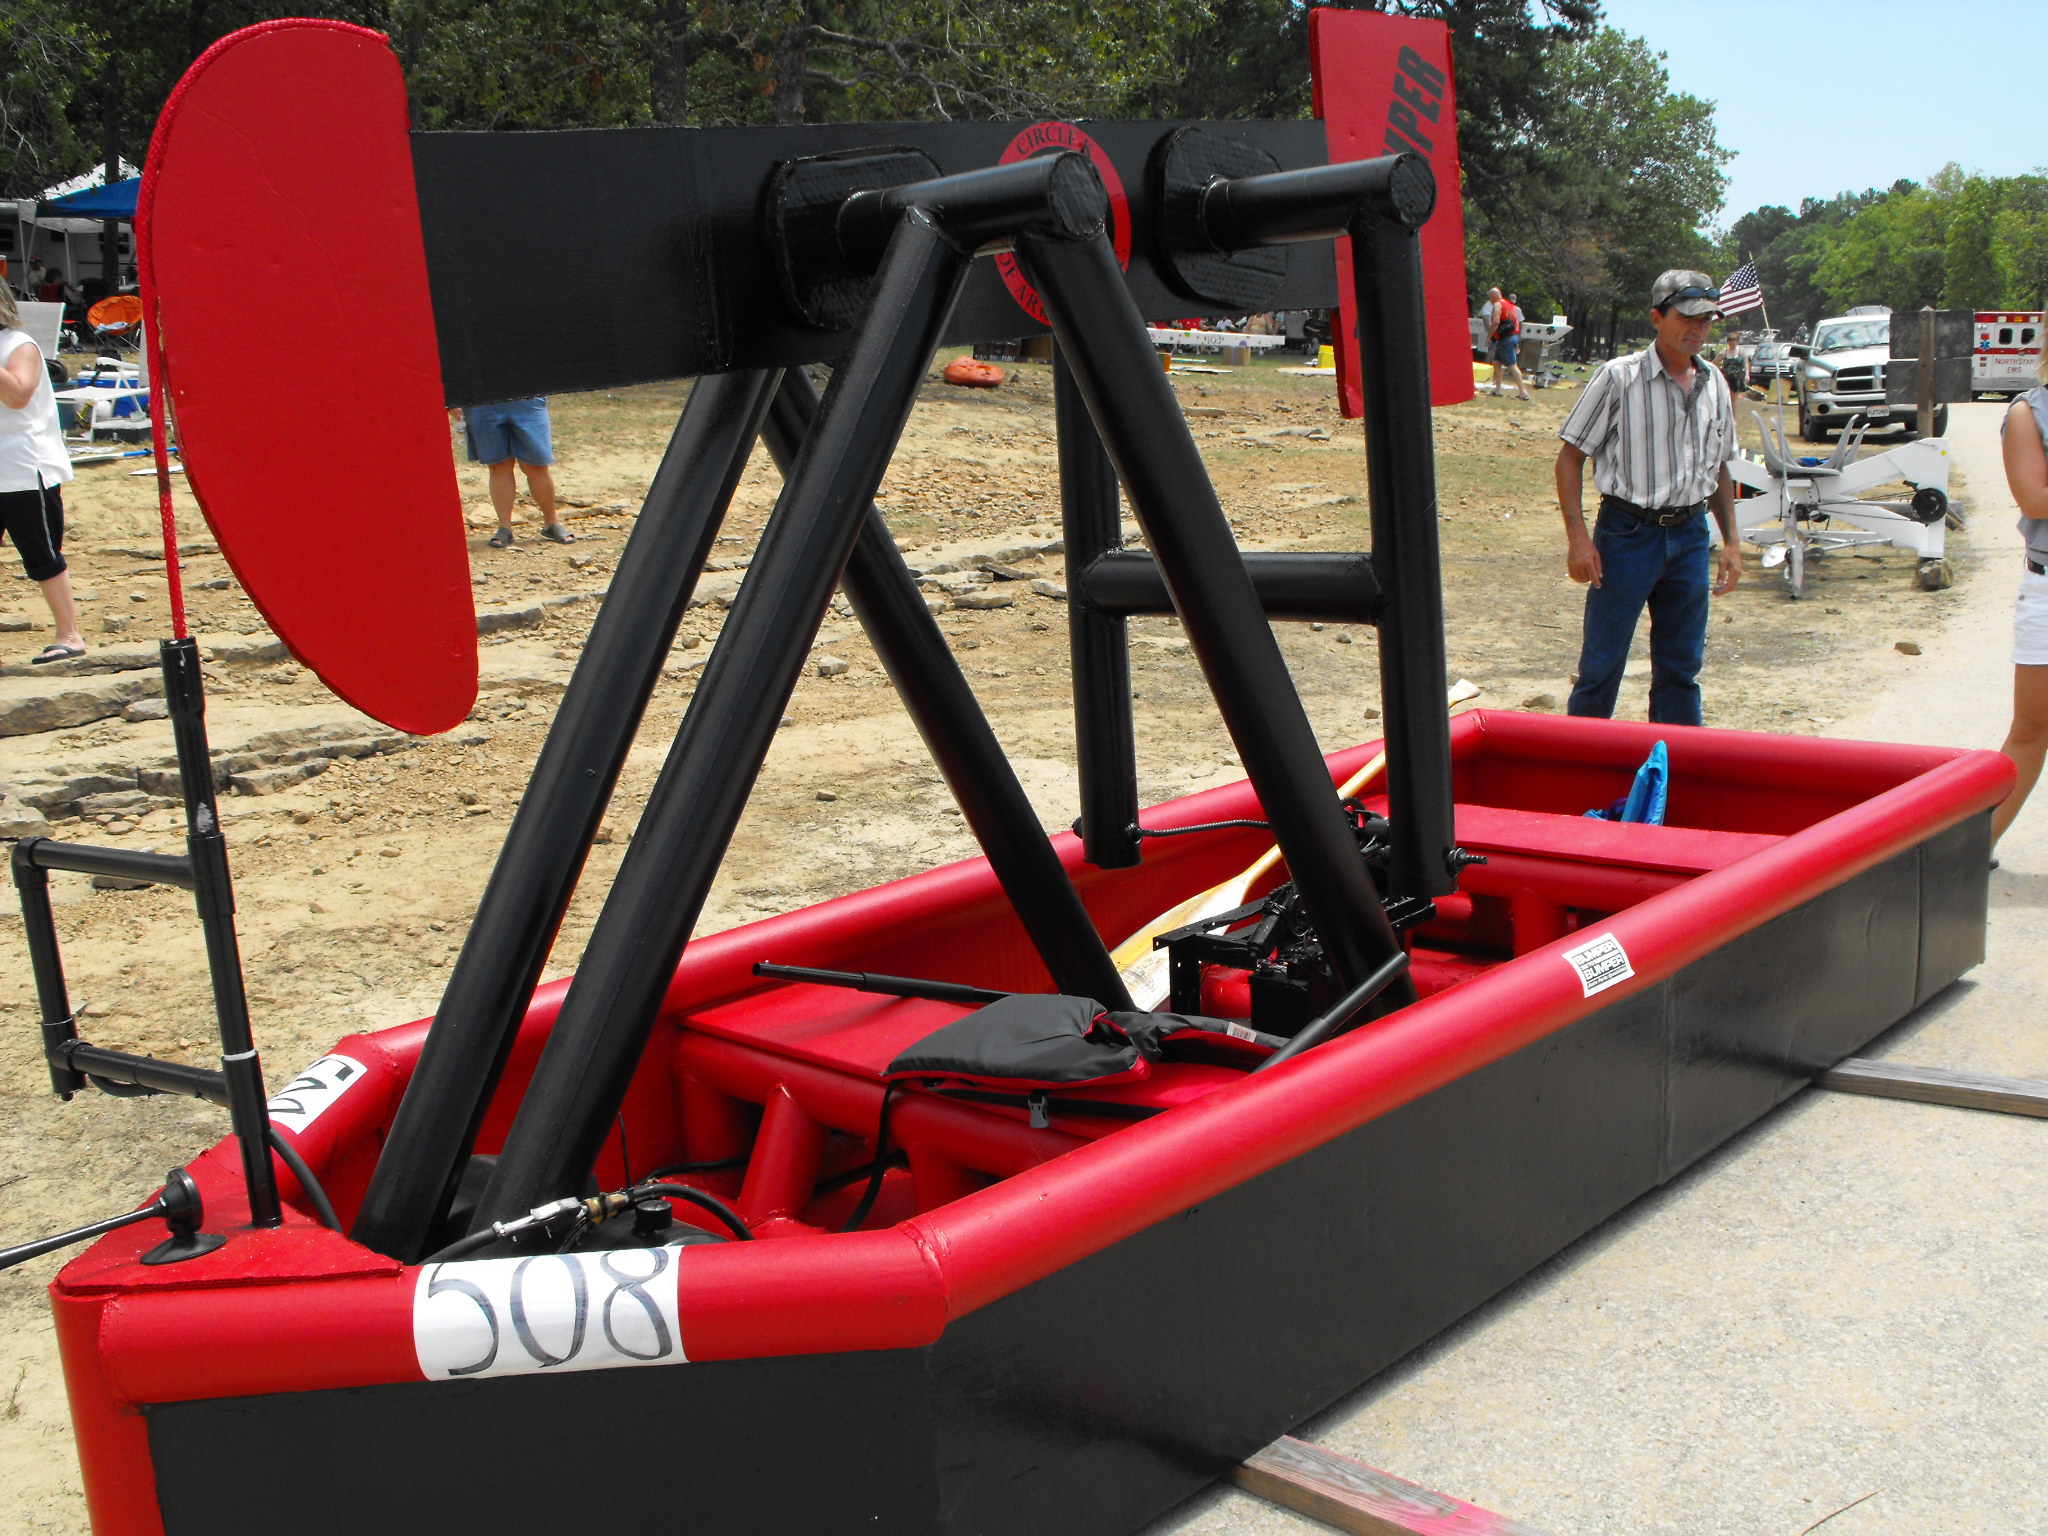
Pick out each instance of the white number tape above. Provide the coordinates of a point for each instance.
(549, 1312)
(1601, 963)
(314, 1091)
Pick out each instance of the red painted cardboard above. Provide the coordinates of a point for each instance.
(1383, 85)
(285, 275)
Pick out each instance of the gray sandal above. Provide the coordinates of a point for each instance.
(559, 532)
(502, 539)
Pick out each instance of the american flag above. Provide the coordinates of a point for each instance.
(1741, 290)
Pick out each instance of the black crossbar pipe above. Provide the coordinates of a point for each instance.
(1105, 738)
(1400, 451)
(1303, 587)
(213, 893)
(1098, 325)
(927, 675)
(1318, 203)
(148, 1072)
(630, 959)
(550, 838)
(1348, 1011)
(979, 211)
(119, 863)
(885, 986)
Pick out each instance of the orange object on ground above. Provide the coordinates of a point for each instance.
(120, 314)
(973, 373)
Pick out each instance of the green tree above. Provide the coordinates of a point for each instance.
(44, 53)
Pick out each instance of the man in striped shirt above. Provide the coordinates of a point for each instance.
(1659, 427)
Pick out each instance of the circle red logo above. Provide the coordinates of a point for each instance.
(1050, 139)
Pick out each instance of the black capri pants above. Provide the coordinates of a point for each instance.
(34, 520)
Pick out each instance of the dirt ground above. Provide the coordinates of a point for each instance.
(355, 888)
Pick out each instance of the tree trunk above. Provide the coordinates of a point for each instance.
(110, 152)
(671, 63)
(792, 60)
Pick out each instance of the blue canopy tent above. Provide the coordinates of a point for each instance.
(110, 202)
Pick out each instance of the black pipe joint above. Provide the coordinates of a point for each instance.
(982, 212)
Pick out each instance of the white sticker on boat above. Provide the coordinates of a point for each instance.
(548, 1312)
(1238, 1031)
(314, 1091)
(1601, 963)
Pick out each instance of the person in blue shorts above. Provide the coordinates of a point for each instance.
(516, 432)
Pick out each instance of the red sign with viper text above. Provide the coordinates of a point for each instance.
(1383, 86)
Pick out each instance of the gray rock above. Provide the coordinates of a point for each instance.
(128, 657)
(29, 705)
(112, 800)
(833, 666)
(17, 624)
(18, 818)
(116, 883)
(230, 651)
(985, 599)
(268, 781)
(1050, 589)
(1540, 701)
(147, 709)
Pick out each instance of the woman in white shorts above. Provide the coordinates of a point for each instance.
(2026, 472)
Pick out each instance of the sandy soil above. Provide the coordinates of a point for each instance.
(355, 889)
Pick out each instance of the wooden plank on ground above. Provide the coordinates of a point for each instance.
(1939, 1085)
(1354, 1497)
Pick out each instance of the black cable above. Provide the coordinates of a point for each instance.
(1207, 826)
(881, 1167)
(463, 1246)
(720, 1165)
(717, 1207)
(289, 1156)
(625, 1155)
(839, 1181)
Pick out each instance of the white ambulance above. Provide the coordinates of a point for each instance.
(2007, 353)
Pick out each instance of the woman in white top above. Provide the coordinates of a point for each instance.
(33, 465)
(2026, 472)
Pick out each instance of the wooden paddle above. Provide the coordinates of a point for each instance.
(1146, 970)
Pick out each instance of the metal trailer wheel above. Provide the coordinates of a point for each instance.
(1935, 575)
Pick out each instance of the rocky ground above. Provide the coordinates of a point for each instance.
(359, 852)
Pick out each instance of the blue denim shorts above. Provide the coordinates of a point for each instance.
(1506, 350)
(512, 429)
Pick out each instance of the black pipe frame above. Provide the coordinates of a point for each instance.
(507, 946)
(913, 650)
(1102, 334)
(1302, 586)
(631, 956)
(1105, 743)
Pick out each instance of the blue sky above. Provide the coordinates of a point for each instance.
(1981, 60)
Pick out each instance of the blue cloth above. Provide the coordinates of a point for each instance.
(1644, 802)
(511, 429)
(1506, 350)
(1666, 569)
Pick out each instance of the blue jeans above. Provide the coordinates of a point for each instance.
(1666, 568)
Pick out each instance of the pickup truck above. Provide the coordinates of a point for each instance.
(1841, 375)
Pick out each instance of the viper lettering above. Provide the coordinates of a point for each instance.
(1418, 100)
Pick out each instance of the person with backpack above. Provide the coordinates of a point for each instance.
(1504, 334)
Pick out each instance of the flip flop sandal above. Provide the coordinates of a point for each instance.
(56, 653)
(559, 533)
(502, 539)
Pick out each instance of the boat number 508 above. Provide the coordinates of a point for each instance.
(548, 1312)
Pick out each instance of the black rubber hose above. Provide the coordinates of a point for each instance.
(881, 1168)
(697, 1197)
(289, 1156)
(462, 1247)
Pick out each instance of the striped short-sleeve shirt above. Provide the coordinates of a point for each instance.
(1651, 442)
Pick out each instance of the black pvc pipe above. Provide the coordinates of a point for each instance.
(1326, 588)
(1105, 742)
(1340, 1016)
(1317, 203)
(507, 946)
(121, 863)
(630, 959)
(1099, 327)
(1400, 451)
(146, 1072)
(46, 963)
(885, 986)
(949, 717)
(213, 894)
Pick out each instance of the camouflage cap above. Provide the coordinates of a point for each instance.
(1690, 293)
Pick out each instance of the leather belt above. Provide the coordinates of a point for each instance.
(2037, 567)
(1663, 517)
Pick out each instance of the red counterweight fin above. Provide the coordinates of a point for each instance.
(284, 271)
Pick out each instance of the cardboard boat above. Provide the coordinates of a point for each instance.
(1065, 1309)
(1063, 1328)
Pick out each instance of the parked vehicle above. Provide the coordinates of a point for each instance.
(2007, 353)
(1841, 376)
(1772, 360)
